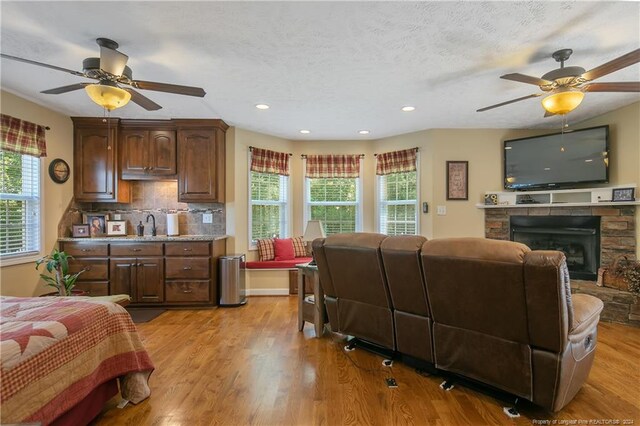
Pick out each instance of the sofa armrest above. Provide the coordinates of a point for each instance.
(586, 313)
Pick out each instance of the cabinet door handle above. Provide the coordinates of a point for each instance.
(139, 264)
(86, 250)
(136, 249)
(187, 249)
(187, 268)
(151, 168)
(187, 291)
(87, 268)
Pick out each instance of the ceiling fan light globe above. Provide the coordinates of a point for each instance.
(562, 102)
(108, 97)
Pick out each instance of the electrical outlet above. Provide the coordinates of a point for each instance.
(442, 210)
(117, 217)
(207, 218)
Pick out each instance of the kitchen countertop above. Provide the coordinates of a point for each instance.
(159, 238)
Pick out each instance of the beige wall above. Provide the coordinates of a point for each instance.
(23, 279)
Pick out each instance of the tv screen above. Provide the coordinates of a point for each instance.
(557, 160)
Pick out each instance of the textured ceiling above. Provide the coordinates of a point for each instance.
(333, 68)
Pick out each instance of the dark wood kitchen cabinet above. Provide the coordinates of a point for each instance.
(95, 165)
(142, 276)
(147, 154)
(201, 161)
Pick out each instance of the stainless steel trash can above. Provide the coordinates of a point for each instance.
(232, 280)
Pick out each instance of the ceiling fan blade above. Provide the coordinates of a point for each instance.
(169, 88)
(41, 64)
(522, 78)
(630, 86)
(611, 66)
(65, 89)
(142, 100)
(112, 61)
(509, 102)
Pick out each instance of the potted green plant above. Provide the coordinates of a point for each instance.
(57, 264)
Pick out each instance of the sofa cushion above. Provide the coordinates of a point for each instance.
(299, 248)
(265, 249)
(283, 249)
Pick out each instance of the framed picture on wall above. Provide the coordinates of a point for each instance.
(457, 180)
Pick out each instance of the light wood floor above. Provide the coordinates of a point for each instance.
(250, 365)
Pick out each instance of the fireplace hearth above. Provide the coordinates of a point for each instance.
(577, 236)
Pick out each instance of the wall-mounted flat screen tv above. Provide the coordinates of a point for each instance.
(559, 160)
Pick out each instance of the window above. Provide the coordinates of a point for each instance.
(334, 201)
(398, 203)
(19, 205)
(268, 215)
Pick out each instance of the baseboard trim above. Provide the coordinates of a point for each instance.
(267, 292)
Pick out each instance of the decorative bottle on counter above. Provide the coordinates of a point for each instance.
(140, 229)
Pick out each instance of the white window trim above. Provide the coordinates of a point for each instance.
(31, 257)
(378, 201)
(359, 201)
(287, 208)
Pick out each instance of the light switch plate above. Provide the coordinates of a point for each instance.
(117, 217)
(442, 210)
(207, 218)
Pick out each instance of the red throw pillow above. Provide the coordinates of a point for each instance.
(283, 249)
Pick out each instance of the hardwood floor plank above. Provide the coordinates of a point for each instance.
(251, 366)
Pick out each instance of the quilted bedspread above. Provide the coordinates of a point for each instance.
(55, 350)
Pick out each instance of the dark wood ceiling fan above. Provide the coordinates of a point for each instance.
(111, 69)
(573, 80)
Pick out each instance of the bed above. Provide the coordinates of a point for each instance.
(61, 358)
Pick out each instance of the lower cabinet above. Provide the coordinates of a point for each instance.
(141, 278)
(154, 273)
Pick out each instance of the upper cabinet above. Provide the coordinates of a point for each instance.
(108, 154)
(147, 151)
(201, 161)
(95, 154)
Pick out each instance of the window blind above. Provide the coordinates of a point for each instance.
(268, 205)
(398, 203)
(335, 202)
(19, 204)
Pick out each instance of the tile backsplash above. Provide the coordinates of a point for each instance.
(157, 198)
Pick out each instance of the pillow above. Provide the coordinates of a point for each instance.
(299, 248)
(265, 249)
(283, 249)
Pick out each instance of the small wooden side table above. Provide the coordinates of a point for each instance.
(310, 309)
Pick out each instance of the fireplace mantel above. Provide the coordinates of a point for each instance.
(584, 197)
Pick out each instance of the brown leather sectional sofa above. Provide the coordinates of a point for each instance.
(492, 311)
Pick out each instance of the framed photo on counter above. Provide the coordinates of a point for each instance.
(116, 228)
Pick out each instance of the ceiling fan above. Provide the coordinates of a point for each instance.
(111, 71)
(564, 87)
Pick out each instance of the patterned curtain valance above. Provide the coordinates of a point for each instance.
(22, 137)
(333, 166)
(396, 162)
(265, 161)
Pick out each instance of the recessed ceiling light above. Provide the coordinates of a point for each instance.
(408, 108)
(364, 132)
(262, 106)
(547, 168)
(589, 160)
(305, 132)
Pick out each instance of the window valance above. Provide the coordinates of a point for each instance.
(333, 166)
(266, 161)
(396, 162)
(22, 137)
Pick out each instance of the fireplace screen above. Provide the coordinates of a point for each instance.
(577, 236)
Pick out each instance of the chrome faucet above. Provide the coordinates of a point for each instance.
(153, 224)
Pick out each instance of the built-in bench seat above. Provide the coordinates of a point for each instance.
(274, 271)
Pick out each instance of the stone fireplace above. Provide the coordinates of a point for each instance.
(616, 237)
(577, 236)
(617, 226)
